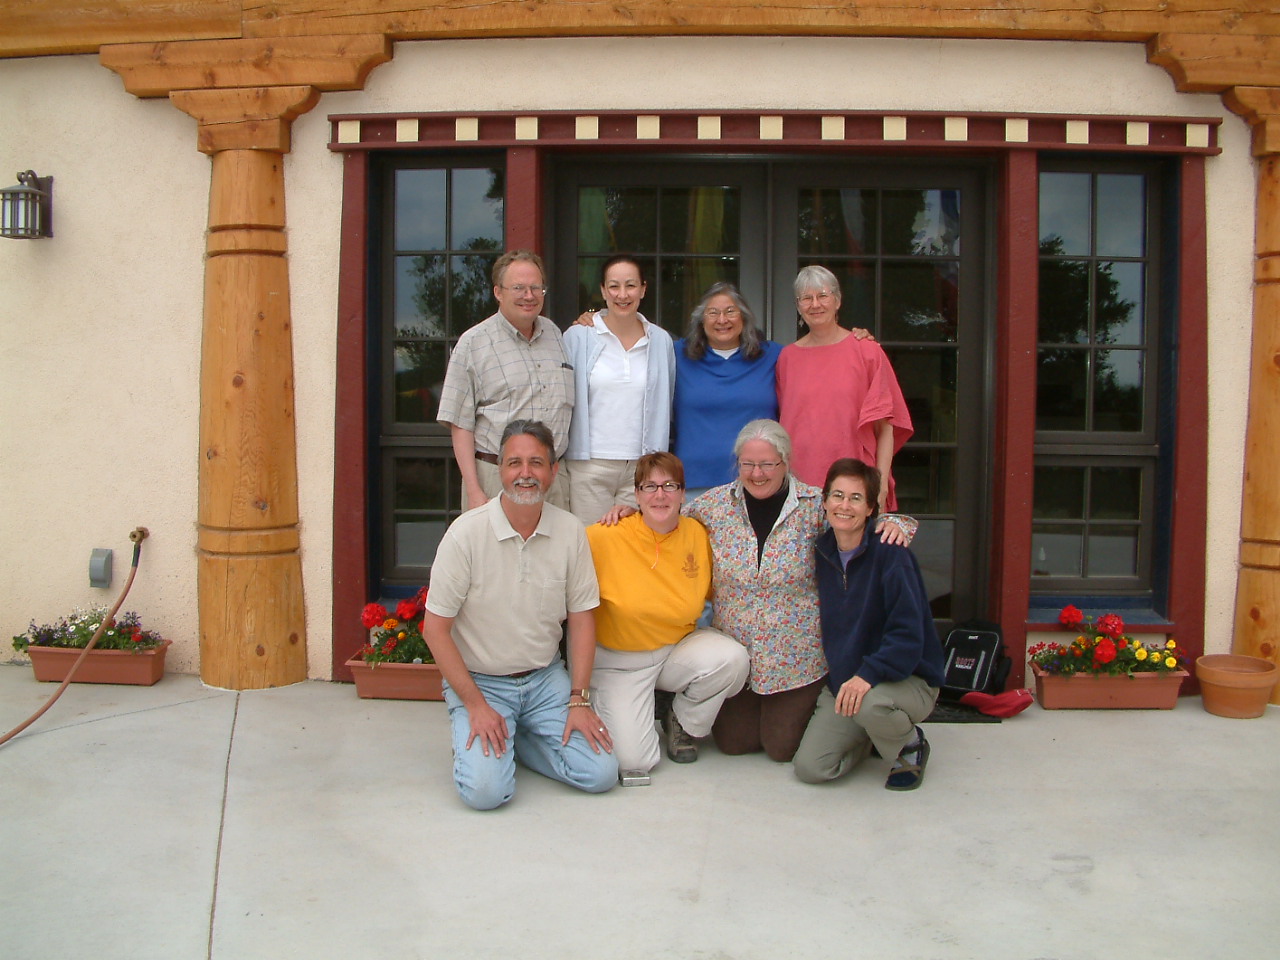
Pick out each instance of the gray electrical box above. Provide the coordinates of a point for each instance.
(100, 567)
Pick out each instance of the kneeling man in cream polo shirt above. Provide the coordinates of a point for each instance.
(506, 576)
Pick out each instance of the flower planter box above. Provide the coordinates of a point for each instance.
(1084, 691)
(396, 681)
(139, 668)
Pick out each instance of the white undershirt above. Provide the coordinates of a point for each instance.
(615, 392)
(725, 353)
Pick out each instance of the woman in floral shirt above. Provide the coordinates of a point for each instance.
(762, 528)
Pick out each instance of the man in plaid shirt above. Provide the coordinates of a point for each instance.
(511, 366)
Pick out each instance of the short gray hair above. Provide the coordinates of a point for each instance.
(771, 432)
(529, 428)
(816, 277)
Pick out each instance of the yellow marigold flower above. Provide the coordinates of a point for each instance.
(1170, 662)
(400, 635)
(1171, 645)
(390, 623)
(1140, 653)
(1080, 639)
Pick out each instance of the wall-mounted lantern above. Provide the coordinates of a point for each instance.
(26, 210)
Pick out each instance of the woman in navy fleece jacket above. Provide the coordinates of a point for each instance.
(884, 658)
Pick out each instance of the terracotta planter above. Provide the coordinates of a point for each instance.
(1237, 686)
(141, 668)
(396, 681)
(1084, 691)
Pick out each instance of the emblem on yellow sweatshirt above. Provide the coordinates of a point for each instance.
(690, 567)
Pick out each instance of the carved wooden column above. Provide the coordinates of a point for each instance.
(1258, 591)
(245, 95)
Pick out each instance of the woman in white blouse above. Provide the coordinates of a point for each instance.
(624, 375)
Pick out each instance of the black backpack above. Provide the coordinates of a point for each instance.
(975, 659)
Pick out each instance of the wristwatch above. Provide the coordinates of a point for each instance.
(584, 695)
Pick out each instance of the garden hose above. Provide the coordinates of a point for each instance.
(137, 536)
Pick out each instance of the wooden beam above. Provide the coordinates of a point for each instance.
(1261, 107)
(1211, 63)
(30, 28)
(325, 63)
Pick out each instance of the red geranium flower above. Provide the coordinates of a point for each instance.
(1070, 616)
(373, 615)
(1111, 625)
(406, 610)
(1105, 651)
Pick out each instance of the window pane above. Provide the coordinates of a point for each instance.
(1059, 493)
(1064, 213)
(1115, 493)
(839, 222)
(477, 209)
(925, 480)
(1061, 380)
(1120, 304)
(1056, 550)
(928, 381)
(419, 374)
(615, 219)
(919, 301)
(419, 296)
(1113, 551)
(424, 490)
(472, 292)
(922, 222)
(1121, 215)
(1064, 301)
(934, 547)
(420, 209)
(1117, 399)
(700, 220)
(683, 281)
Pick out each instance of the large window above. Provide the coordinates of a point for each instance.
(1098, 405)
(444, 220)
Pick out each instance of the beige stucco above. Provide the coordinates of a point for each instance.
(91, 446)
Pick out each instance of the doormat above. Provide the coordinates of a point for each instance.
(947, 712)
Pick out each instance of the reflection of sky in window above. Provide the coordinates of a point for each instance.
(474, 216)
(407, 315)
(1121, 219)
(1064, 210)
(1128, 278)
(1126, 365)
(937, 226)
(420, 209)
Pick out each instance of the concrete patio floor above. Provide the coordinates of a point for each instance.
(180, 822)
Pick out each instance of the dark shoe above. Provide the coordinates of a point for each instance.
(680, 746)
(908, 773)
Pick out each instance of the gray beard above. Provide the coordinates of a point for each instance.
(523, 496)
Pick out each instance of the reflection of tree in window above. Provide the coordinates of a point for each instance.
(1066, 318)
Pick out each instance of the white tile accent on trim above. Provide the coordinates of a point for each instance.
(348, 131)
(1077, 131)
(407, 130)
(648, 127)
(526, 128)
(1137, 133)
(1017, 130)
(770, 128)
(1197, 135)
(466, 128)
(586, 128)
(895, 128)
(955, 128)
(708, 128)
(833, 128)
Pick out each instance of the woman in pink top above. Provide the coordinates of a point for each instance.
(838, 396)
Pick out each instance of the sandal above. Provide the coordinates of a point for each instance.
(908, 776)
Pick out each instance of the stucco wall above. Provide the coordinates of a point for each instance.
(133, 294)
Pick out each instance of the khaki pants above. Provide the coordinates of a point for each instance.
(596, 486)
(702, 670)
(833, 745)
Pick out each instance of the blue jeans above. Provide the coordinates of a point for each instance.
(535, 708)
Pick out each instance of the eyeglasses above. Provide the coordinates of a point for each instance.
(837, 496)
(520, 289)
(729, 313)
(764, 466)
(809, 299)
(650, 487)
